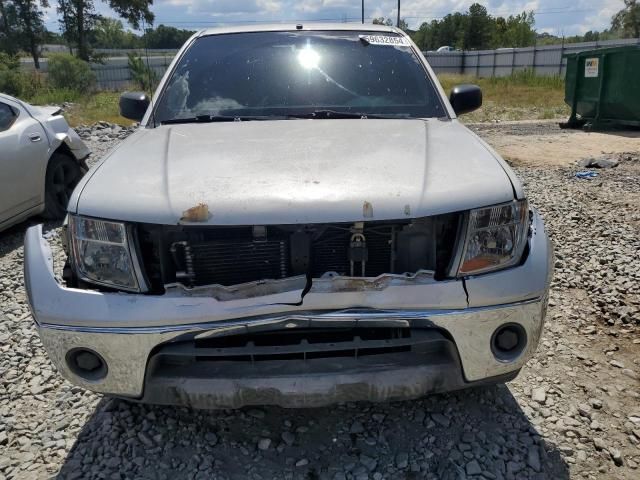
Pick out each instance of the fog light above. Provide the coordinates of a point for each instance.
(508, 342)
(86, 364)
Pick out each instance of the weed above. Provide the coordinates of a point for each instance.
(102, 106)
(521, 96)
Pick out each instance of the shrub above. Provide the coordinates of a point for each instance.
(144, 76)
(71, 73)
(11, 80)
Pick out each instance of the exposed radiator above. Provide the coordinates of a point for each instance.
(231, 262)
(232, 259)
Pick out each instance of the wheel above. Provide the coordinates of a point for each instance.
(63, 174)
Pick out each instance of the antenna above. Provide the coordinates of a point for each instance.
(146, 52)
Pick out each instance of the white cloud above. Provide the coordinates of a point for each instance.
(556, 16)
(270, 5)
(309, 6)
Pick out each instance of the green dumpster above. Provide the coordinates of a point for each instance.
(602, 87)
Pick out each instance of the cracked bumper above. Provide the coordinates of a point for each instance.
(125, 329)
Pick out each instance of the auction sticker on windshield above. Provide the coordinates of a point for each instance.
(385, 40)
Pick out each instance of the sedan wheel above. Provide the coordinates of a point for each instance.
(63, 174)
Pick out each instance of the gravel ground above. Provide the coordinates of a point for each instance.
(574, 411)
(524, 128)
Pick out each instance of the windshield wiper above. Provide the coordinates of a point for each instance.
(327, 114)
(216, 118)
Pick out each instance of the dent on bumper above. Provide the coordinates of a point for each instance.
(125, 328)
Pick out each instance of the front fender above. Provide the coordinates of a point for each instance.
(75, 144)
(59, 132)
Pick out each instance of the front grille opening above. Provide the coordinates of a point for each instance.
(311, 336)
(393, 348)
(301, 356)
(217, 255)
(301, 345)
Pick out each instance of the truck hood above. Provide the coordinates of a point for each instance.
(295, 171)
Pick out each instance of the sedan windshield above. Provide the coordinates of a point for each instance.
(299, 74)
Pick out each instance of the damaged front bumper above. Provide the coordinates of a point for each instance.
(455, 322)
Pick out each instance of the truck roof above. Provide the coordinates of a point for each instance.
(299, 26)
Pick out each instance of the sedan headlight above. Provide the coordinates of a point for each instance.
(496, 237)
(103, 253)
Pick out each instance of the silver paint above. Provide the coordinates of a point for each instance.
(25, 150)
(295, 171)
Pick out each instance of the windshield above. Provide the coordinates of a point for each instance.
(277, 74)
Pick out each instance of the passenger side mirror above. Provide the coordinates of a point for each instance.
(465, 98)
(133, 105)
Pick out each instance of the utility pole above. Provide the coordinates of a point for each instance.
(363, 12)
(398, 22)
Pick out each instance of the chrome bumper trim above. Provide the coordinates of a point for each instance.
(127, 351)
(348, 317)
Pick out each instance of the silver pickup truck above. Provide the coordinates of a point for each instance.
(299, 220)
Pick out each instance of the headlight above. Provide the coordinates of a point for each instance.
(102, 253)
(496, 237)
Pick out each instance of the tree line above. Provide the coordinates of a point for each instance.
(476, 29)
(22, 27)
(82, 29)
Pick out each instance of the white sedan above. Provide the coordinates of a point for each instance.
(41, 161)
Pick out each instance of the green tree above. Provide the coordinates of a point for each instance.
(110, 33)
(449, 31)
(8, 21)
(515, 31)
(476, 29)
(30, 27)
(479, 29)
(591, 36)
(627, 20)
(78, 19)
(165, 37)
(382, 21)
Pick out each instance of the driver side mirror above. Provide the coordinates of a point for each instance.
(133, 105)
(465, 98)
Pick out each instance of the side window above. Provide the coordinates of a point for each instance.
(7, 116)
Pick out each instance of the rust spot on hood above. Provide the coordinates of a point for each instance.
(199, 213)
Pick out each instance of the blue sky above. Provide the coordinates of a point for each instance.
(568, 17)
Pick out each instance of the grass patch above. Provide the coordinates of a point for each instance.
(85, 109)
(100, 107)
(522, 96)
(53, 97)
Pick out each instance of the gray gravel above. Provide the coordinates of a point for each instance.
(574, 412)
(521, 128)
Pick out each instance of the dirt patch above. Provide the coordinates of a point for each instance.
(546, 144)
